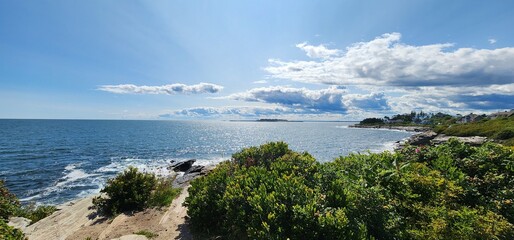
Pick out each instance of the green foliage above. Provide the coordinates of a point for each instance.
(163, 194)
(36, 213)
(147, 234)
(9, 203)
(9, 233)
(134, 191)
(451, 191)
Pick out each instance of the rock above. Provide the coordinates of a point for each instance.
(131, 237)
(194, 169)
(422, 138)
(182, 166)
(198, 171)
(473, 141)
(19, 222)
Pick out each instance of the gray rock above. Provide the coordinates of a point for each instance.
(422, 138)
(474, 141)
(182, 166)
(131, 237)
(194, 169)
(19, 222)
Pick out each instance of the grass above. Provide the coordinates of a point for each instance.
(147, 234)
(500, 129)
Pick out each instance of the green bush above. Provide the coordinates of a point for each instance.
(505, 134)
(163, 194)
(9, 233)
(452, 191)
(36, 213)
(9, 203)
(134, 191)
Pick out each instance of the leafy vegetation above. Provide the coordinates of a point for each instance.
(372, 121)
(451, 191)
(9, 203)
(134, 191)
(10, 206)
(36, 213)
(9, 233)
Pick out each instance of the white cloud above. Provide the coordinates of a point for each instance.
(245, 111)
(260, 82)
(491, 40)
(169, 89)
(385, 61)
(324, 100)
(319, 51)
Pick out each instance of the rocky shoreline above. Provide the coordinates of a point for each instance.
(424, 136)
(393, 127)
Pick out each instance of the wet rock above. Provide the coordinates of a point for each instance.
(182, 166)
(194, 169)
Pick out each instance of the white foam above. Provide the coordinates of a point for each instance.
(72, 175)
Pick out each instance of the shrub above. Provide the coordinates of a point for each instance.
(36, 213)
(444, 192)
(9, 233)
(163, 194)
(505, 134)
(9, 203)
(134, 191)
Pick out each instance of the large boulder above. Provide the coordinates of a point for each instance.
(194, 169)
(182, 166)
(423, 138)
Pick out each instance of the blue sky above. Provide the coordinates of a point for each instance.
(329, 60)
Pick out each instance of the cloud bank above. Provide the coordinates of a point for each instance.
(399, 77)
(245, 111)
(170, 89)
(385, 61)
(324, 100)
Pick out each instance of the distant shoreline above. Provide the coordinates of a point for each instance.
(394, 127)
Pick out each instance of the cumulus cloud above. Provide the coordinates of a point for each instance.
(319, 51)
(324, 100)
(170, 89)
(245, 111)
(385, 61)
(334, 99)
(369, 102)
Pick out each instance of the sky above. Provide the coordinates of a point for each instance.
(308, 60)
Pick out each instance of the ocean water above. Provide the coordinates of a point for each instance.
(54, 161)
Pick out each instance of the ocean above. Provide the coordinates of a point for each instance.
(54, 161)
